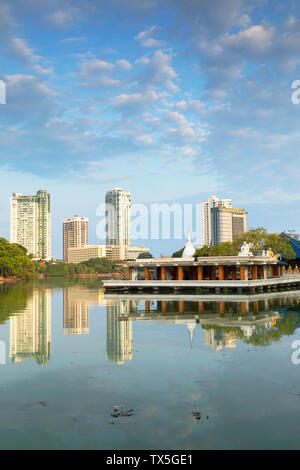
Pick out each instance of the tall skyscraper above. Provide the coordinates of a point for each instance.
(206, 207)
(227, 224)
(30, 223)
(118, 217)
(75, 234)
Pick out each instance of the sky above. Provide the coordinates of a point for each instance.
(170, 100)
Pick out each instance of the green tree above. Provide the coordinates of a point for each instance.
(260, 240)
(145, 254)
(178, 254)
(222, 249)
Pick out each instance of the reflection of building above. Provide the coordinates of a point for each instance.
(206, 207)
(30, 223)
(75, 234)
(30, 330)
(119, 342)
(218, 339)
(77, 302)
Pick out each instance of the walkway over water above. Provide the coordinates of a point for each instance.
(218, 286)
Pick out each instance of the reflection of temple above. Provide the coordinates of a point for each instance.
(218, 340)
(222, 322)
(119, 343)
(30, 330)
(77, 301)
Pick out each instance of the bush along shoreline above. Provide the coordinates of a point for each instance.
(16, 265)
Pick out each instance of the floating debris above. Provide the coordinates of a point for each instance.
(118, 414)
(197, 415)
(42, 402)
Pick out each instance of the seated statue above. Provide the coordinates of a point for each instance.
(245, 250)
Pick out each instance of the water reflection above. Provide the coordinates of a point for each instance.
(260, 320)
(119, 340)
(30, 330)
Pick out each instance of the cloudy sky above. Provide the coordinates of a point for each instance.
(172, 100)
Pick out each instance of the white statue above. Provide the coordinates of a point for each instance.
(245, 250)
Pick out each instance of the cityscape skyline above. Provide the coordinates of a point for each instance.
(175, 107)
(234, 221)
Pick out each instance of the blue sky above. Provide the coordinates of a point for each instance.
(170, 100)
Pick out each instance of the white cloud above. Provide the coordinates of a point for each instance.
(59, 18)
(145, 38)
(257, 39)
(124, 64)
(158, 72)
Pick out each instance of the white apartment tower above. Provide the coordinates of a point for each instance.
(75, 233)
(30, 223)
(206, 207)
(118, 217)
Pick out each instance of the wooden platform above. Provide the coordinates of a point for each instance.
(250, 286)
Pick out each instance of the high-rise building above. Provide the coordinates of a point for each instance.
(227, 224)
(206, 207)
(30, 223)
(118, 217)
(75, 233)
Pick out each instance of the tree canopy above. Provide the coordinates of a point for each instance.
(145, 254)
(260, 240)
(178, 254)
(14, 260)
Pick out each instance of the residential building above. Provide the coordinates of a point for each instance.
(84, 253)
(206, 206)
(30, 223)
(75, 234)
(118, 217)
(227, 224)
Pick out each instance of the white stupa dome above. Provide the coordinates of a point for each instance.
(189, 250)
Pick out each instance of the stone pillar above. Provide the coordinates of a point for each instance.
(147, 306)
(147, 273)
(200, 306)
(255, 306)
(130, 273)
(163, 276)
(163, 306)
(181, 306)
(254, 272)
(280, 270)
(244, 308)
(265, 268)
(222, 307)
(200, 273)
(221, 273)
(180, 273)
(242, 273)
(130, 306)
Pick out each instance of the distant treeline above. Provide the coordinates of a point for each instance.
(62, 269)
(14, 262)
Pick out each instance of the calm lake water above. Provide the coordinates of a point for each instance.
(73, 354)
